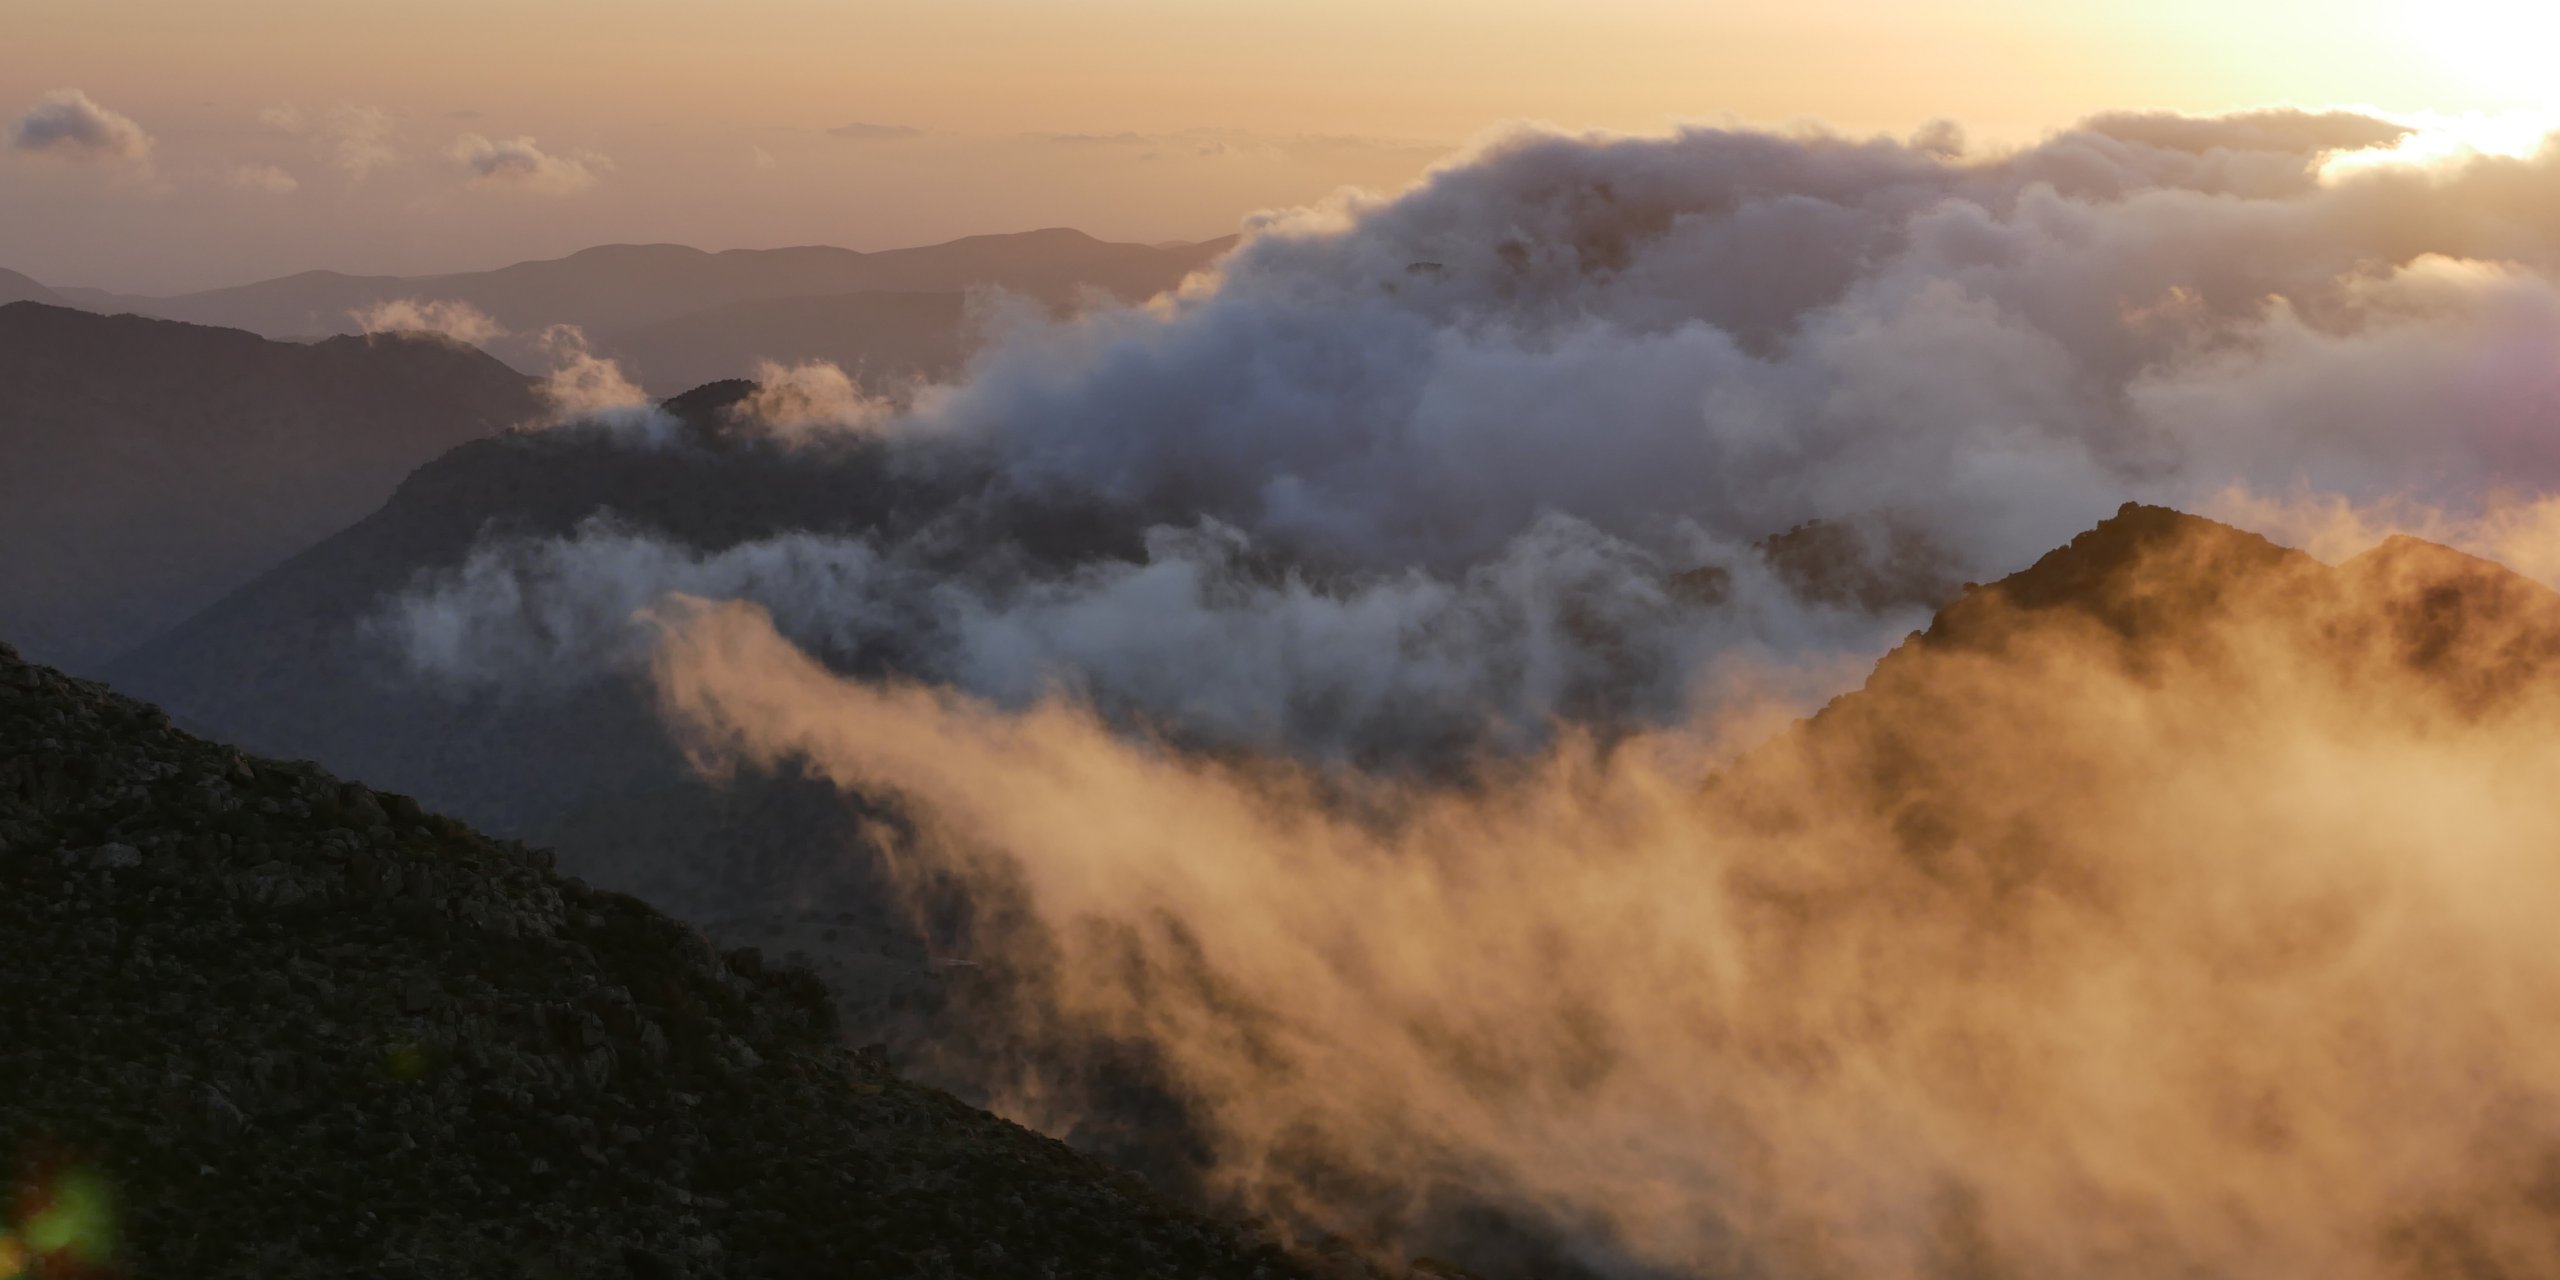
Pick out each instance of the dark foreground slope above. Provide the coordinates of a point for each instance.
(266, 1023)
(151, 466)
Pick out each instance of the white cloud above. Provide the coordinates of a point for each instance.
(521, 163)
(68, 124)
(457, 320)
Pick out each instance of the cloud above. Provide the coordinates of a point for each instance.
(2265, 131)
(67, 125)
(2068, 1000)
(1636, 357)
(863, 131)
(810, 398)
(445, 317)
(355, 140)
(759, 158)
(588, 391)
(268, 178)
(1175, 623)
(522, 164)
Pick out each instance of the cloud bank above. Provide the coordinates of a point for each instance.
(1683, 348)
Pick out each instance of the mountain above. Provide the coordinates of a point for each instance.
(269, 1022)
(18, 288)
(2154, 617)
(884, 338)
(153, 466)
(613, 288)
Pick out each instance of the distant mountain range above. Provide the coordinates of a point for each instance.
(18, 288)
(153, 466)
(648, 302)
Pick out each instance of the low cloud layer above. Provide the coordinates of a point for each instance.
(1683, 347)
(522, 164)
(67, 124)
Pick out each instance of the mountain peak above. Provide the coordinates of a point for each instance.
(2142, 569)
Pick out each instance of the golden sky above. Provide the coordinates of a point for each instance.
(295, 133)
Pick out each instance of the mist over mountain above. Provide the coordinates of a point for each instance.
(2166, 781)
(153, 466)
(1646, 707)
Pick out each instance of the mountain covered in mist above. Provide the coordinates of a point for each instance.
(2178, 850)
(285, 1025)
(2151, 630)
(152, 466)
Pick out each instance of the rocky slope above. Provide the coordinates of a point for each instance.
(270, 1023)
(153, 466)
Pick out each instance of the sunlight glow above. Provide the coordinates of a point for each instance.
(2448, 139)
(2505, 47)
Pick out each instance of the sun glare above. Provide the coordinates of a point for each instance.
(2500, 48)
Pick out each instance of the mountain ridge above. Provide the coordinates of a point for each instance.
(155, 464)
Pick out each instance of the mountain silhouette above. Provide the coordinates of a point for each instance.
(17, 288)
(153, 465)
(294, 1027)
(610, 289)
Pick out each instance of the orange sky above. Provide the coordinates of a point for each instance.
(709, 122)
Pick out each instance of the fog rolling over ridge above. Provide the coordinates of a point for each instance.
(2174, 908)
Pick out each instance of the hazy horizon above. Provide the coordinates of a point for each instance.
(206, 149)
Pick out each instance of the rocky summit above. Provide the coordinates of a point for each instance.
(264, 1022)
